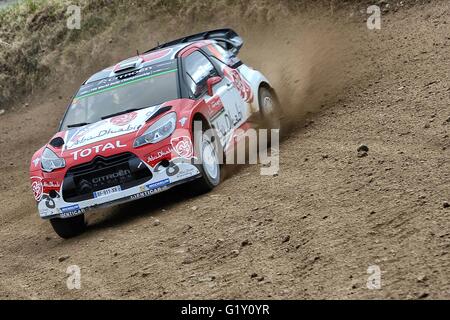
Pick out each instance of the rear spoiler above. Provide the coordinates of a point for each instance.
(230, 37)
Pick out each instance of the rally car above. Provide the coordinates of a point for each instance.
(128, 132)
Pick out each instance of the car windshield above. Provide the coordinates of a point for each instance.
(142, 92)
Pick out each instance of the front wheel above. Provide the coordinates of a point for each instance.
(70, 227)
(207, 150)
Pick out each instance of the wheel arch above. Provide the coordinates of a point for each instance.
(198, 116)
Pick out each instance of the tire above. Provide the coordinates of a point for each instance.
(207, 152)
(269, 109)
(70, 227)
(270, 112)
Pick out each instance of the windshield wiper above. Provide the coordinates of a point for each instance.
(120, 113)
(76, 125)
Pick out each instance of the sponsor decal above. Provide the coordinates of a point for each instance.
(107, 129)
(52, 184)
(124, 119)
(147, 193)
(97, 135)
(71, 208)
(241, 85)
(148, 72)
(159, 155)
(49, 202)
(170, 171)
(75, 135)
(71, 214)
(83, 153)
(183, 146)
(215, 106)
(112, 176)
(71, 211)
(177, 170)
(37, 187)
(225, 121)
(158, 184)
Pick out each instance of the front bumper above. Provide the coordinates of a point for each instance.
(179, 171)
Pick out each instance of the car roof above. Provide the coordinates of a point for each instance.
(143, 60)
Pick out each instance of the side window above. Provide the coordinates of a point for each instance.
(198, 69)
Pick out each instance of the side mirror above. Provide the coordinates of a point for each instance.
(211, 82)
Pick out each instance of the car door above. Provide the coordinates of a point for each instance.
(226, 106)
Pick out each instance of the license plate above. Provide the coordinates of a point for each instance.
(107, 192)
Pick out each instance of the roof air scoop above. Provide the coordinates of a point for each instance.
(128, 65)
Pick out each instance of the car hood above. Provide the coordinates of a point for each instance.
(106, 129)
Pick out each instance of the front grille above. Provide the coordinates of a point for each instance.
(124, 170)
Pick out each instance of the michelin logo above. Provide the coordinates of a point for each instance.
(67, 212)
(151, 189)
(158, 184)
(70, 209)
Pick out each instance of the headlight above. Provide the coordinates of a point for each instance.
(50, 161)
(159, 131)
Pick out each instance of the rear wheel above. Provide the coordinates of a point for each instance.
(70, 227)
(207, 152)
(270, 112)
(269, 109)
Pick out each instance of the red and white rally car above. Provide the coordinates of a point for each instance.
(128, 133)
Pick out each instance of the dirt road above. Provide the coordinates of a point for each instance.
(312, 231)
